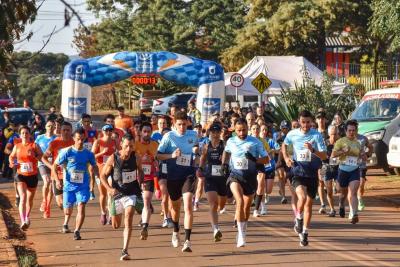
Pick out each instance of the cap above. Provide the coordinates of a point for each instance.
(215, 127)
(321, 114)
(197, 125)
(121, 108)
(107, 127)
(285, 124)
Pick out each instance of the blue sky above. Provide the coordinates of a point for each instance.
(50, 15)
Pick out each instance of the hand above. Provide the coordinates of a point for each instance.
(345, 150)
(176, 153)
(364, 157)
(105, 150)
(249, 156)
(289, 162)
(158, 194)
(112, 191)
(308, 145)
(225, 170)
(58, 184)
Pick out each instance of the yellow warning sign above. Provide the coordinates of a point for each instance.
(261, 82)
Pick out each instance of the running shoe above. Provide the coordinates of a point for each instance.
(298, 226)
(77, 235)
(109, 222)
(175, 239)
(303, 239)
(103, 219)
(256, 213)
(187, 246)
(266, 200)
(170, 223)
(43, 206)
(222, 211)
(354, 219)
(332, 213)
(217, 236)
(92, 196)
(196, 206)
(264, 210)
(361, 204)
(65, 229)
(28, 221)
(124, 255)
(165, 223)
(322, 210)
(144, 234)
(342, 212)
(240, 241)
(284, 200)
(24, 226)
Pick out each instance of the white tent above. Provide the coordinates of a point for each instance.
(283, 71)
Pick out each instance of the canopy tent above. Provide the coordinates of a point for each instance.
(283, 71)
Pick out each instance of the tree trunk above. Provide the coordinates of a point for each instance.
(114, 97)
(375, 67)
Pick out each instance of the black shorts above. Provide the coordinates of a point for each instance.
(57, 191)
(270, 175)
(311, 183)
(31, 180)
(363, 173)
(331, 173)
(148, 186)
(217, 185)
(176, 188)
(249, 186)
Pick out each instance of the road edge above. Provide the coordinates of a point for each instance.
(11, 259)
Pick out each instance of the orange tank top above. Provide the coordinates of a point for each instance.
(27, 162)
(111, 145)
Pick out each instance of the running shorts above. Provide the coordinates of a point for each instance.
(345, 178)
(117, 206)
(44, 172)
(363, 173)
(310, 183)
(331, 173)
(31, 181)
(216, 185)
(176, 188)
(148, 186)
(57, 191)
(249, 187)
(70, 198)
(270, 175)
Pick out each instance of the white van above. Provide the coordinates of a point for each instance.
(393, 157)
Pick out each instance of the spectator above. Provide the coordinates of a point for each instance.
(52, 116)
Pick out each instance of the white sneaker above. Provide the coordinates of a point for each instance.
(217, 236)
(196, 206)
(175, 239)
(256, 213)
(240, 241)
(222, 211)
(187, 246)
(266, 200)
(263, 209)
(165, 223)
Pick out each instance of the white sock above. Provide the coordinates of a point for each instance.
(305, 230)
(215, 228)
(241, 228)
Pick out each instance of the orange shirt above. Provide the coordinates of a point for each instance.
(118, 131)
(27, 162)
(147, 154)
(123, 123)
(54, 148)
(112, 147)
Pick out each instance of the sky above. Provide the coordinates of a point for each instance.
(50, 15)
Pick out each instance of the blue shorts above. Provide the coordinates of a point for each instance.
(344, 178)
(75, 197)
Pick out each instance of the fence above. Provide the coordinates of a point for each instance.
(367, 81)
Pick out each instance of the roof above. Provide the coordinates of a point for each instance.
(395, 90)
(345, 41)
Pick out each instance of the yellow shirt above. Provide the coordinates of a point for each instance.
(353, 146)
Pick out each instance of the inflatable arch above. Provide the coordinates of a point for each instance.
(82, 74)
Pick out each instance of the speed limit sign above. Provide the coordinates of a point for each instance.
(237, 80)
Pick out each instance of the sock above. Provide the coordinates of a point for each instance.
(257, 201)
(305, 230)
(299, 215)
(176, 226)
(22, 217)
(196, 200)
(245, 227)
(241, 226)
(145, 225)
(215, 228)
(187, 234)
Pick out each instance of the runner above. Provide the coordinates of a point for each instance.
(24, 157)
(348, 149)
(281, 167)
(122, 121)
(125, 170)
(75, 161)
(200, 180)
(43, 141)
(320, 119)
(215, 181)
(367, 149)
(161, 125)
(309, 149)
(245, 155)
(103, 148)
(177, 148)
(146, 150)
(110, 119)
(63, 141)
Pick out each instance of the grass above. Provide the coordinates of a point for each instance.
(26, 257)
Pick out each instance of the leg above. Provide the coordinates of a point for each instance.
(188, 207)
(128, 221)
(294, 200)
(22, 188)
(146, 213)
(321, 187)
(307, 213)
(237, 192)
(102, 198)
(199, 192)
(212, 198)
(282, 181)
(30, 194)
(80, 217)
(352, 197)
(116, 221)
(329, 195)
(259, 193)
(165, 198)
(301, 194)
(247, 200)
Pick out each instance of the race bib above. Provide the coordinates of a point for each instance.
(240, 163)
(351, 161)
(77, 177)
(88, 145)
(183, 160)
(128, 177)
(303, 155)
(26, 167)
(146, 169)
(164, 168)
(269, 165)
(216, 170)
(333, 161)
(105, 158)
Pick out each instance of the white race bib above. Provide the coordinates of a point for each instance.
(216, 170)
(146, 169)
(183, 160)
(303, 155)
(164, 168)
(128, 177)
(351, 161)
(26, 167)
(240, 163)
(333, 161)
(77, 177)
(88, 145)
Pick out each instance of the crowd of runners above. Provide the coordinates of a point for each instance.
(233, 158)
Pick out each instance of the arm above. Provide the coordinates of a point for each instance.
(8, 149)
(140, 169)
(39, 153)
(106, 171)
(286, 157)
(13, 156)
(45, 158)
(203, 156)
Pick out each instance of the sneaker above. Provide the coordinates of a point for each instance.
(24, 226)
(303, 239)
(354, 219)
(222, 211)
(43, 206)
(103, 219)
(196, 206)
(217, 236)
(332, 213)
(124, 255)
(187, 246)
(361, 204)
(77, 235)
(342, 212)
(28, 222)
(170, 223)
(266, 200)
(175, 239)
(109, 221)
(92, 196)
(256, 213)
(264, 210)
(65, 229)
(165, 223)
(240, 241)
(298, 226)
(144, 234)
(317, 197)
(284, 200)
(322, 210)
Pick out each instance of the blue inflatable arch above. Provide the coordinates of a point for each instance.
(82, 74)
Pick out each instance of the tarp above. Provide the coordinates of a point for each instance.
(283, 71)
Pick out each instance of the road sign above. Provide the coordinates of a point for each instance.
(237, 80)
(261, 82)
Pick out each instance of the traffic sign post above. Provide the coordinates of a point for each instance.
(237, 80)
(261, 83)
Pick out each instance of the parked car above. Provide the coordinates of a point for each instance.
(162, 105)
(393, 157)
(6, 101)
(146, 99)
(17, 115)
